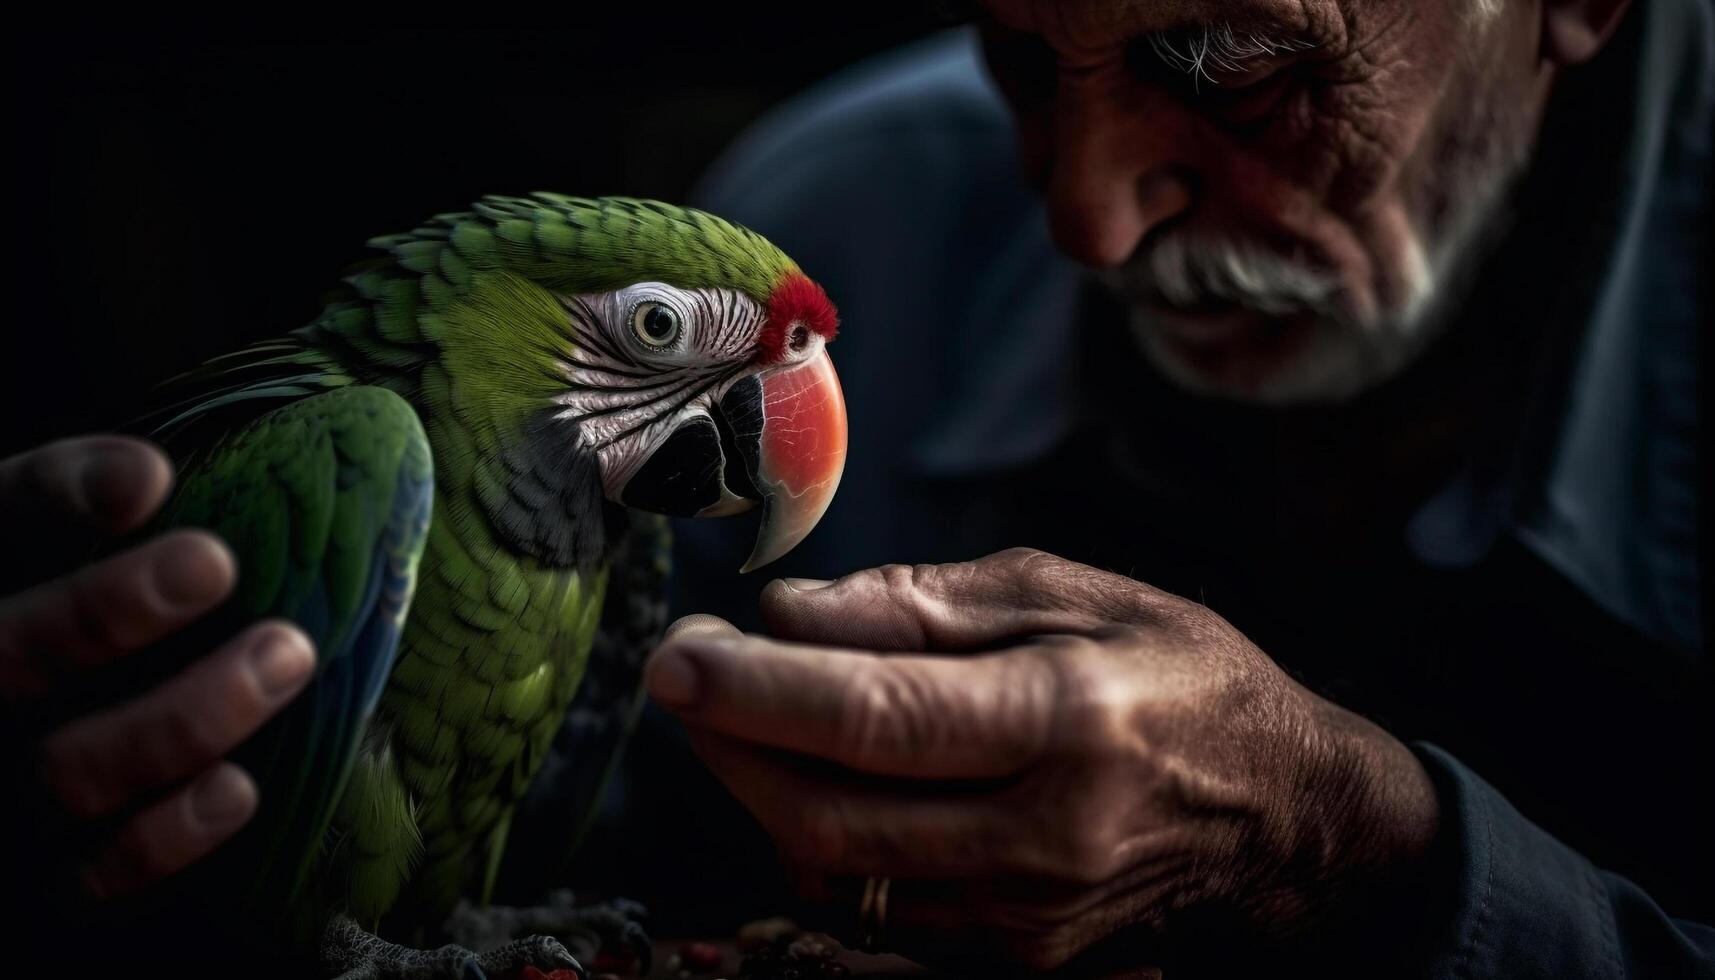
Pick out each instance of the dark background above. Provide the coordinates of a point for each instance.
(182, 190)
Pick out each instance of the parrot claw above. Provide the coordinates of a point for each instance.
(591, 931)
(545, 953)
(349, 952)
(568, 962)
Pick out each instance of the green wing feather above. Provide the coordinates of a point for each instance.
(306, 454)
(325, 502)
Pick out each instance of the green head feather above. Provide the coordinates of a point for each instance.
(464, 313)
(582, 245)
(480, 289)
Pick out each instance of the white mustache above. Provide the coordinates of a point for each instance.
(1188, 273)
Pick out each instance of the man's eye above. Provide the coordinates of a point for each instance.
(1253, 102)
(1238, 79)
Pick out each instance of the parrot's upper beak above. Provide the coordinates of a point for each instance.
(788, 426)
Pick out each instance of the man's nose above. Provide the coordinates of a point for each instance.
(1117, 170)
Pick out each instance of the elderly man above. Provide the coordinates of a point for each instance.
(1389, 359)
(1379, 341)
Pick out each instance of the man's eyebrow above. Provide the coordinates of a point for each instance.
(1198, 50)
(1187, 42)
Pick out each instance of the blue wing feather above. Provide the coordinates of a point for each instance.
(326, 503)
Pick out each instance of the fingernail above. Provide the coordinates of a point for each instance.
(806, 584)
(282, 662)
(193, 571)
(673, 679)
(700, 626)
(223, 797)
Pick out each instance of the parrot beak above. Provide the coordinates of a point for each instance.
(788, 425)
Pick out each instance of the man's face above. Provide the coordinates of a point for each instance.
(1284, 192)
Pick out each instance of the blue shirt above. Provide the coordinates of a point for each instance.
(895, 187)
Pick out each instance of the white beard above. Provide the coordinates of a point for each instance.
(1341, 358)
(1345, 355)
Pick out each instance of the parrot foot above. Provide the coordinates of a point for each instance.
(350, 952)
(590, 932)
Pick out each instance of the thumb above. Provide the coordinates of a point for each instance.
(962, 606)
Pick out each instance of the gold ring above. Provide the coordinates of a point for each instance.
(872, 914)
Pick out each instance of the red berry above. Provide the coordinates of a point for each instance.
(702, 956)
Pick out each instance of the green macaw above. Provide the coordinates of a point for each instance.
(432, 479)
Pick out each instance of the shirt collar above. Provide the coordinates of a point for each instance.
(1605, 489)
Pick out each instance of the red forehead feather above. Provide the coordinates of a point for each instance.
(795, 300)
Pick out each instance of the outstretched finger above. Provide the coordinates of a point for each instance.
(104, 483)
(173, 833)
(108, 609)
(102, 762)
(961, 606)
(921, 717)
(843, 826)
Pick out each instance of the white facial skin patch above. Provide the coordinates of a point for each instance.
(646, 359)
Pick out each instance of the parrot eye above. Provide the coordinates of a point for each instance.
(655, 324)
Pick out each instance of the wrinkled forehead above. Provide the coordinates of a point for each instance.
(1072, 25)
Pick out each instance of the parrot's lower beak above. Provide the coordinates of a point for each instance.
(788, 425)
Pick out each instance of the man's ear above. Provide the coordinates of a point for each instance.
(1574, 30)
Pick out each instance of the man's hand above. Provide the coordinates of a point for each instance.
(1101, 759)
(142, 782)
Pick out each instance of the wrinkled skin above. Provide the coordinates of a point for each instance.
(1102, 757)
(1130, 730)
(1374, 154)
(152, 765)
(1106, 776)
